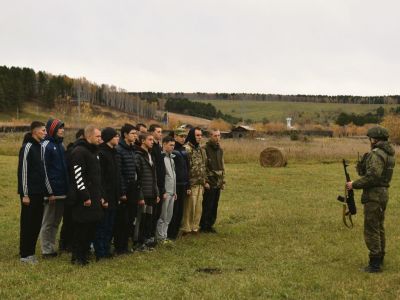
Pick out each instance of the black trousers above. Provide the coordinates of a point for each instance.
(145, 220)
(30, 224)
(124, 225)
(67, 229)
(210, 207)
(175, 224)
(84, 234)
(157, 207)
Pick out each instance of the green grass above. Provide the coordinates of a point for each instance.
(280, 237)
(279, 111)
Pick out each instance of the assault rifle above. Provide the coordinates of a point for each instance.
(349, 206)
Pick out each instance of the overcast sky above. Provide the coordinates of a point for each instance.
(257, 46)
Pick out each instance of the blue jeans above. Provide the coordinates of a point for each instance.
(104, 232)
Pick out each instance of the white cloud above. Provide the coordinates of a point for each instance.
(281, 46)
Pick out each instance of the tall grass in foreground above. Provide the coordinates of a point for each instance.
(280, 236)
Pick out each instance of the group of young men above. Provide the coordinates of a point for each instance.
(134, 188)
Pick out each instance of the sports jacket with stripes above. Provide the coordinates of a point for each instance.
(31, 174)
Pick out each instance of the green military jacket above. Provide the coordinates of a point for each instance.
(376, 173)
(215, 164)
(197, 164)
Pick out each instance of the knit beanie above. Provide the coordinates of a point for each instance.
(108, 133)
(52, 127)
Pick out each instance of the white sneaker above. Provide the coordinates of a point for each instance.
(31, 259)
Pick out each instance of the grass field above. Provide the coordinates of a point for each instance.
(280, 237)
(279, 111)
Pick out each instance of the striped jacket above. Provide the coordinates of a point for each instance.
(31, 174)
(86, 179)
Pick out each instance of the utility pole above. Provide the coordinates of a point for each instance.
(79, 106)
(137, 109)
(241, 110)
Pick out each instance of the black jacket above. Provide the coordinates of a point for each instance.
(31, 174)
(147, 177)
(160, 166)
(127, 166)
(181, 165)
(109, 175)
(86, 176)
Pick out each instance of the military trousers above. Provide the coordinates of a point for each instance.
(374, 231)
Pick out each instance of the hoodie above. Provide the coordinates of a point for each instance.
(54, 159)
(197, 160)
(170, 176)
(191, 138)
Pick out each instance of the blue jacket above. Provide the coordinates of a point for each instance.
(56, 171)
(181, 165)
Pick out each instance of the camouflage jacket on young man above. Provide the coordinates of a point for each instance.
(376, 170)
(215, 165)
(197, 164)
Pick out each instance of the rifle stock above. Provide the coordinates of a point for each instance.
(349, 205)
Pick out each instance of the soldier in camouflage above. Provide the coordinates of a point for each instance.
(192, 208)
(376, 170)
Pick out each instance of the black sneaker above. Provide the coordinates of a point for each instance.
(212, 230)
(141, 248)
(81, 262)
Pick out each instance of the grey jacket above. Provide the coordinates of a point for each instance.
(170, 176)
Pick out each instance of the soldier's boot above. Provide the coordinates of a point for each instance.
(381, 258)
(374, 265)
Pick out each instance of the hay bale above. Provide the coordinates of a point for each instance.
(273, 157)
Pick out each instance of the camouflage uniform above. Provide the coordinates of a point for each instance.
(376, 169)
(197, 178)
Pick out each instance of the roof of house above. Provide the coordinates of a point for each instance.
(244, 127)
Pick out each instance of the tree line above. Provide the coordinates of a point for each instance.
(361, 119)
(344, 99)
(18, 85)
(197, 109)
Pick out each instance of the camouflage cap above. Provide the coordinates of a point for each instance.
(180, 131)
(378, 132)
